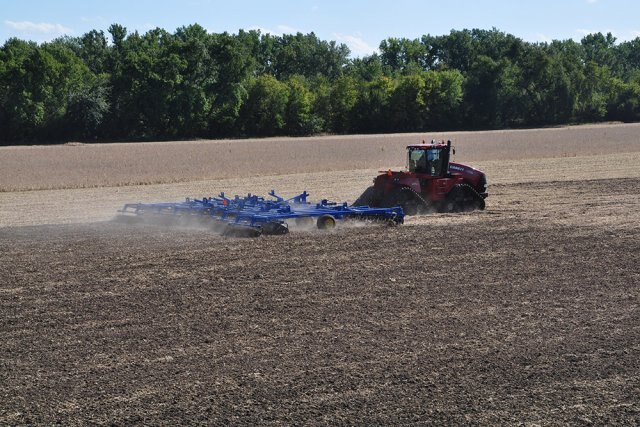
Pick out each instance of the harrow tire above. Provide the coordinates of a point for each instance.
(326, 222)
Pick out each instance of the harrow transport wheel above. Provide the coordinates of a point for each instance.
(326, 222)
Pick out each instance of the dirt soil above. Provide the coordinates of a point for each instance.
(526, 313)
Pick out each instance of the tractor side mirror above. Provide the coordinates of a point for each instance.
(453, 151)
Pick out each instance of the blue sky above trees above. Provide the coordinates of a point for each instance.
(360, 24)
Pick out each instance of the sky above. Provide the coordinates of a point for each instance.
(359, 24)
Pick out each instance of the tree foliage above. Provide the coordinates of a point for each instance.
(192, 83)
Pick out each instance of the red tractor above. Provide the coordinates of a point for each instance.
(431, 183)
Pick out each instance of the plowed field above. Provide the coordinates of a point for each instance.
(525, 313)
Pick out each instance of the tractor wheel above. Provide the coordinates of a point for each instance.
(326, 222)
(454, 201)
(405, 198)
(478, 201)
(463, 198)
(473, 200)
(369, 197)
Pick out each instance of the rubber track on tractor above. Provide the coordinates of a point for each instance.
(476, 198)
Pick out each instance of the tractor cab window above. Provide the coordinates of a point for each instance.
(427, 161)
(417, 161)
(434, 161)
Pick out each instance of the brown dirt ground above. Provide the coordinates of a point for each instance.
(526, 313)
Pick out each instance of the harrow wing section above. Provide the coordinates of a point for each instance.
(253, 215)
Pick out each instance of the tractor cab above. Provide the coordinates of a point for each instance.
(429, 159)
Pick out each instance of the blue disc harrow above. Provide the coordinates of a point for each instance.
(253, 215)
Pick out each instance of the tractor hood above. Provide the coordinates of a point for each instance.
(474, 177)
(464, 170)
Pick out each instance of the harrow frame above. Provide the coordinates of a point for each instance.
(253, 215)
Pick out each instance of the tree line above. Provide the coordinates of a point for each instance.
(195, 84)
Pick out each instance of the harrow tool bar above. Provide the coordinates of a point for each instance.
(253, 215)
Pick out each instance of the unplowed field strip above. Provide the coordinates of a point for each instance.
(124, 164)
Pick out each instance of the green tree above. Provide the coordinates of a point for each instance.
(600, 49)
(595, 93)
(194, 91)
(232, 65)
(192, 83)
(145, 85)
(20, 113)
(365, 69)
(626, 105)
(87, 110)
(37, 85)
(481, 92)
(344, 95)
(453, 51)
(408, 104)
(93, 49)
(628, 58)
(371, 112)
(304, 54)
(299, 116)
(443, 98)
(266, 107)
(322, 107)
(404, 55)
